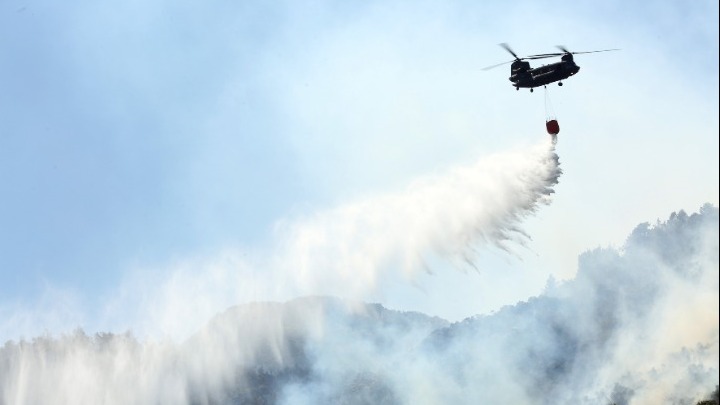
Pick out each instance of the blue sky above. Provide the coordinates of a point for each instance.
(137, 137)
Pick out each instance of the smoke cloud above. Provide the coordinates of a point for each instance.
(637, 325)
(440, 221)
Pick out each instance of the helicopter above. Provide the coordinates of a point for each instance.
(522, 75)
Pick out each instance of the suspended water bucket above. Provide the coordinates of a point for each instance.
(553, 127)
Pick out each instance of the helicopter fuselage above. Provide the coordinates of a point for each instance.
(521, 75)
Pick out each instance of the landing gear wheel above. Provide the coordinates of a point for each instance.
(531, 90)
(559, 83)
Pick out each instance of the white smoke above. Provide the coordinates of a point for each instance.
(345, 252)
(636, 326)
(351, 250)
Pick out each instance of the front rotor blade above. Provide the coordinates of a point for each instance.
(499, 64)
(507, 48)
(542, 55)
(550, 55)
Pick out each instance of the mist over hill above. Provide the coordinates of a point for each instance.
(637, 325)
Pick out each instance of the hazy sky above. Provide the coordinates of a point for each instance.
(146, 144)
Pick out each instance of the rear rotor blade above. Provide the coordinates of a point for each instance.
(562, 48)
(604, 50)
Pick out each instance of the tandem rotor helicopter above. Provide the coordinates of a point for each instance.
(522, 75)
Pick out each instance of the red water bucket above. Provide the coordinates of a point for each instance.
(553, 127)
